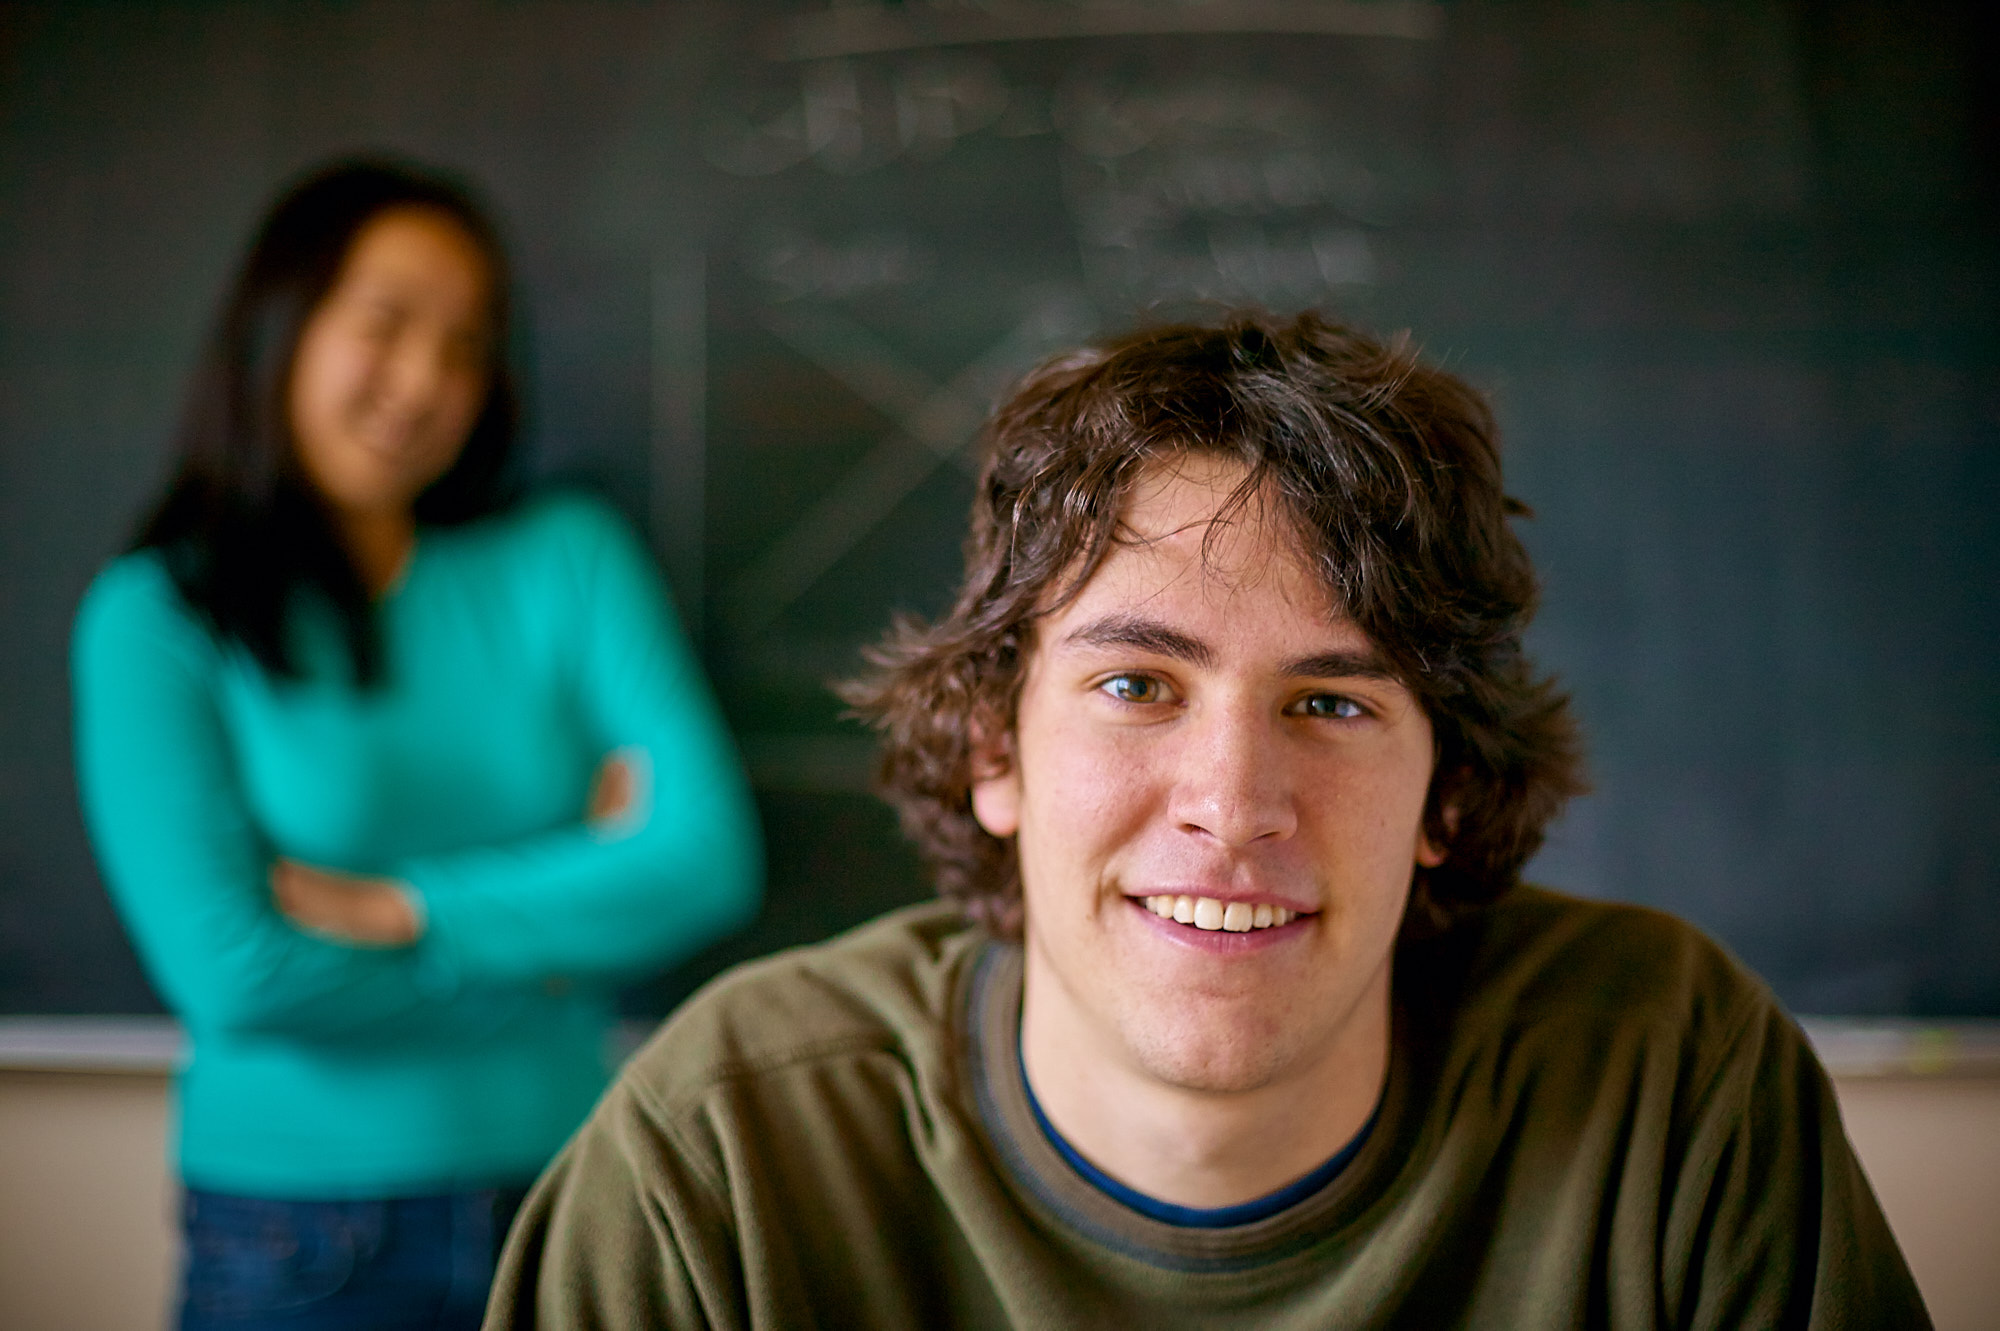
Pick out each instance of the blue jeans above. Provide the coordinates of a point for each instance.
(397, 1264)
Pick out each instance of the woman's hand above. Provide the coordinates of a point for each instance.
(379, 912)
(612, 791)
(370, 912)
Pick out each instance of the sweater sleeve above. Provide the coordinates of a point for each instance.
(183, 860)
(679, 870)
(622, 1230)
(1772, 1222)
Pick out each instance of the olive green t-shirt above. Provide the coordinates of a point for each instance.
(1593, 1118)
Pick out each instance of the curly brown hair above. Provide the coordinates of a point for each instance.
(1389, 470)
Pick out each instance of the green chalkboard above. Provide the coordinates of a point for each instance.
(1728, 272)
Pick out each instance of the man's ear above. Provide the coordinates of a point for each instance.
(1435, 833)
(996, 779)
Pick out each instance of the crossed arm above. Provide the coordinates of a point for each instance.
(372, 911)
(236, 940)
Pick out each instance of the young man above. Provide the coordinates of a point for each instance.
(1227, 759)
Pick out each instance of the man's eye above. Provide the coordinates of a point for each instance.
(1134, 688)
(1332, 706)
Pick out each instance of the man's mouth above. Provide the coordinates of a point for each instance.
(1236, 917)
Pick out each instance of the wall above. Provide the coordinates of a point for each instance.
(86, 1238)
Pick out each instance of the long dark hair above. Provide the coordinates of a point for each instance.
(242, 529)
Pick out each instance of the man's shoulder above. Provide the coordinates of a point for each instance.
(1567, 967)
(886, 987)
(1645, 944)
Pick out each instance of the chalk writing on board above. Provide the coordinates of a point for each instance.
(1225, 183)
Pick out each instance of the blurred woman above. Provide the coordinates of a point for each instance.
(392, 780)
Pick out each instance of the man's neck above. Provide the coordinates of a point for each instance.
(1198, 1148)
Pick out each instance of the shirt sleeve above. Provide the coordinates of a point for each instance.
(182, 858)
(679, 870)
(1772, 1222)
(620, 1231)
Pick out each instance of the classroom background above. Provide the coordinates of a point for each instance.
(1728, 271)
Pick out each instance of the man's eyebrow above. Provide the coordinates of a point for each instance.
(1147, 635)
(1340, 665)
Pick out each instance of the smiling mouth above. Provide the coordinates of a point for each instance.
(1236, 917)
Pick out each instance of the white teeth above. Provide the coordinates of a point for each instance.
(1236, 917)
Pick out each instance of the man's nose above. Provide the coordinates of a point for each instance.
(1234, 780)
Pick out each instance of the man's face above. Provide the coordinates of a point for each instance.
(1199, 723)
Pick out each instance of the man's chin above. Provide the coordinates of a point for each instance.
(1209, 1061)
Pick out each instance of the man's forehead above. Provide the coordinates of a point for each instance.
(1206, 517)
(1201, 559)
(1217, 503)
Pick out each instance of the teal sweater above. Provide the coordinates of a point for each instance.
(520, 650)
